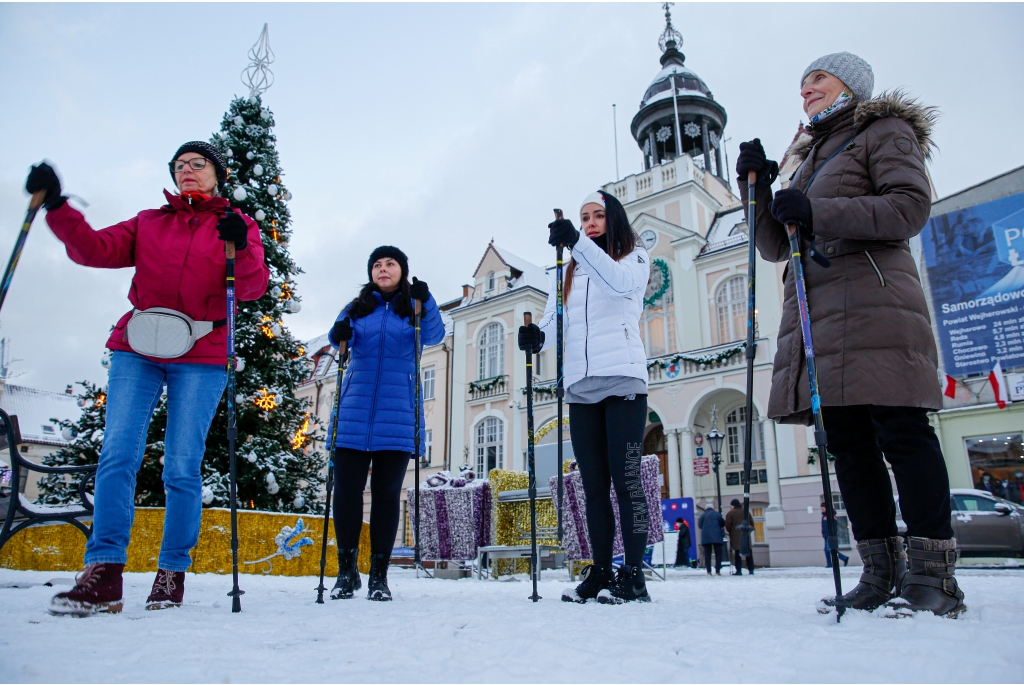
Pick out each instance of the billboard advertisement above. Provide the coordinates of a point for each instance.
(975, 262)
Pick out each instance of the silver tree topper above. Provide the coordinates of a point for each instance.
(258, 76)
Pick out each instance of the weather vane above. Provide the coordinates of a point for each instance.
(669, 35)
(258, 76)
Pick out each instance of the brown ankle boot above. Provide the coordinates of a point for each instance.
(98, 590)
(168, 590)
(885, 565)
(930, 584)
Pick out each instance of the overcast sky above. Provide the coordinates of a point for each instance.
(431, 127)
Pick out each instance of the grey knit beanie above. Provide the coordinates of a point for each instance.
(848, 68)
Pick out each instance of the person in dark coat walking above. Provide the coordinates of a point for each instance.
(860, 194)
(824, 533)
(712, 537)
(733, 521)
(683, 545)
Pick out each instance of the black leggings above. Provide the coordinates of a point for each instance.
(350, 468)
(862, 436)
(607, 441)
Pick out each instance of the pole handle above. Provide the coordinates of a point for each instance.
(527, 318)
(791, 228)
(751, 179)
(417, 306)
(558, 214)
(229, 249)
(37, 199)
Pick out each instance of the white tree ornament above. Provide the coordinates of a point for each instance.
(260, 215)
(257, 170)
(239, 194)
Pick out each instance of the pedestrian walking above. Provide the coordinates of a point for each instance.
(683, 544)
(376, 413)
(860, 194)
(733, 520)
(712, 537)
(174, 337)
(606, 386)
(824, 533)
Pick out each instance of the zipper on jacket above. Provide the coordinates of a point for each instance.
(586, 331)
(875, 266)
(380, 363)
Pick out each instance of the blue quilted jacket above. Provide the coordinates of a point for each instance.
(377, 398)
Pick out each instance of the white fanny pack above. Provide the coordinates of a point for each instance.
(165, 333)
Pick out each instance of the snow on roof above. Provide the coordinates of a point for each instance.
(34, 409)
(726, 230)
(531, 273)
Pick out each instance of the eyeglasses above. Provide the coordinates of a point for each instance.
(197, 163)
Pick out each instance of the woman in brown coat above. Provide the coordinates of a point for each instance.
(859, 195)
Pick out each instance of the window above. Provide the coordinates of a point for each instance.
(757, 513)
(732, 310)
(658, 326)
(49, 430)
(842, 521)
(538, 366)
(735, 424)
(322, 364)
(428, 442)
(490, 282)
(973, 503)
(997, 464)
(428, 383)
(489, 447)
(491, 352)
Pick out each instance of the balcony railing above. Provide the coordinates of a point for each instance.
(678, 365)
(543, 391)
(488, 387)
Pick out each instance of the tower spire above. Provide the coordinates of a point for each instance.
(257, 76)
(670, 39)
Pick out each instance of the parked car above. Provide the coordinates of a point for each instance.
(983, 524)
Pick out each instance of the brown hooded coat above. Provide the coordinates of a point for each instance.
(869, 319)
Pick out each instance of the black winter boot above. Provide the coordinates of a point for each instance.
(595, 578)
(377, 587)
(885, 564)
(348, 574)
(629, 586)
(930, 585)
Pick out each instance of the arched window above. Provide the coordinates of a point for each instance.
(489, 445)
(735, 425)
(490, 282)
(491, 352)
(658, 326)
(732, 310)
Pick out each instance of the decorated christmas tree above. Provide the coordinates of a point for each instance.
(85, 438)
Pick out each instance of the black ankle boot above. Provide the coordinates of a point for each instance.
(348, 574)
(629, 586)
(594, 579)
(930, 584)
(377, 587)
(885, 564)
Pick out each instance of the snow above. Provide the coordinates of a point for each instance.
(698, 629)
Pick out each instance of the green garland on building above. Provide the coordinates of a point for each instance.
(665, 282)
(548, 390)
(487, 385)
(703, 359)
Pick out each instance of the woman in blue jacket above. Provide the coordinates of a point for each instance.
(377, 413)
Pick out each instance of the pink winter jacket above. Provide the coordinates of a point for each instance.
(179, 264)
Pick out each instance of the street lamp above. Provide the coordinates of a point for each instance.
(715, 439)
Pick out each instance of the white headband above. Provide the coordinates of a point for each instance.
(594, 198)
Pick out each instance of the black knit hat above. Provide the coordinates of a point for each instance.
(209, 152)
(735, 503)
(388, 251)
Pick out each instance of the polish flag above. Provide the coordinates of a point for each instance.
(995, 377)
(950, 390)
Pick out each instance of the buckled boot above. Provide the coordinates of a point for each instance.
(98, 590)
(348, 574)
(885, 565)
(377, 587)
(168, 590)
(629, 586)
(594, 579)
(930, 584)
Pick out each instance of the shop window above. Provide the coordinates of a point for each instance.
(997, 464)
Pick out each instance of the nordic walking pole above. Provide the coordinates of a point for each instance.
(820, 437)
(531, 463)
(559, 390)
(33, 207)
(417, 312)
(332, 437)
(745, 527)
(235, 594)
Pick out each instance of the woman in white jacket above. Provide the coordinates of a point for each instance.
(606, 386)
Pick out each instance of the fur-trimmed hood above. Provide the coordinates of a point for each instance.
(895, 103)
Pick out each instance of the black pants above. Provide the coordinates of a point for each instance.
(738, 562)
(683, 553)
(607, 441)
(719, 549)
(860, 437)
(350, 469)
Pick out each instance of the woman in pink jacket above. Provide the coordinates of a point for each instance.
(174, 337)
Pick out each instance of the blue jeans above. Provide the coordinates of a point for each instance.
(828, 556)
(133, 391)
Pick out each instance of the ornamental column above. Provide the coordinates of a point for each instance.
(688, 479)
(672, 439)
(774, 517)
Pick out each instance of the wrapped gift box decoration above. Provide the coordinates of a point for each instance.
(455, 516)
(574, 522)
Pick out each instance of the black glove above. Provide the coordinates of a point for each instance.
(342, 331)
(792, 206)
(563, 233)
(43, 177)
(231, 227)
(753, 158)
(531, 337)
(418, 290)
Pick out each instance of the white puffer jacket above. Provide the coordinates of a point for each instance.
(601, 318)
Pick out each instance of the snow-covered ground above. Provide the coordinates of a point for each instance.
(697, 629)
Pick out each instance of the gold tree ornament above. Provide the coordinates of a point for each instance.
(266, 400)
